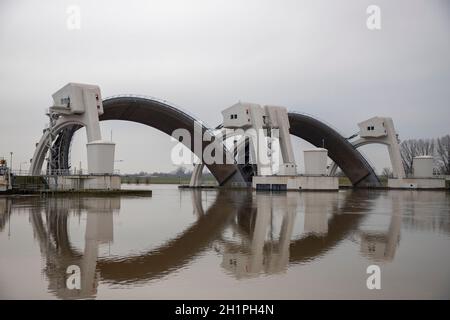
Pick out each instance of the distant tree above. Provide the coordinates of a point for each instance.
(387, 173)
(443, 154)
(181, 172)
(413, 148)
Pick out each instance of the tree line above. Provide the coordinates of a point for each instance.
(439, 148)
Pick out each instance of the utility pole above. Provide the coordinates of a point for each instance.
(20, 167)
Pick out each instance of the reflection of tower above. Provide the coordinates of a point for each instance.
(279, 261)
(56, 248)
(197, 204)
(99, 230)
(5, 212)
(382, 245)
(256, 254)
(317, 208)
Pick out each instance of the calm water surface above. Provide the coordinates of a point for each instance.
(192, 244)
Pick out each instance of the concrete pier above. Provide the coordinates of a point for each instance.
(297, 183)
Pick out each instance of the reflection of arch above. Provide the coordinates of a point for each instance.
(343, 221)
(341, 151)
(59, 253)
(154, 113)
(175, 253)
(56, 250)
(195, 239)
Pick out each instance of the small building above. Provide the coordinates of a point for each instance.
(242, 115)
(373, 128)
(316, 161)
(423, 166)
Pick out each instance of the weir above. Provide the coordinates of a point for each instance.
(80, 105)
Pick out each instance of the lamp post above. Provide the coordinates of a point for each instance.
(20, 167)
(121, 160)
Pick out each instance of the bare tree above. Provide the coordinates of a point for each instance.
(408, 149)
(443, 154)
(413, 148)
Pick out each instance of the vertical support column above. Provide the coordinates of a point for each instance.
(279, 120)
(394, 150)
(91, 120)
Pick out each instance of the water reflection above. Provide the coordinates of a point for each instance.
(5, 212)
(381, 245)
(254, 234)
(252, 254)
(56, 249)
(253, 250)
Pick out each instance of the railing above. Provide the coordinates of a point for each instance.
(315, 117)
(21, 172)
(434, 176)
(59, 172)
(162, 101)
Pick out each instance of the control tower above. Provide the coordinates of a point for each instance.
(267, 130)
(83, 102)
(78, 104)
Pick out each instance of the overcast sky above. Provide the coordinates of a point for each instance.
(314, 56)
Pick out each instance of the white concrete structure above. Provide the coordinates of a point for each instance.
(263, 125)
(278, 119)
(316, 161)
(100, 157)
(382, 130)
(416, 183)
(84, 182)
(77, 104)
(273, 121)
(423, 166)
(295, 183)
(379, 130)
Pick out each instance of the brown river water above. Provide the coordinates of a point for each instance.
(211, 244)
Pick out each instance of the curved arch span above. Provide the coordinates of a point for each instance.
(167, 118)
(159, 115)
(340, 150)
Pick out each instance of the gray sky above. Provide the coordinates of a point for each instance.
(204, 55)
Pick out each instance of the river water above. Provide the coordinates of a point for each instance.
(211, 244)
